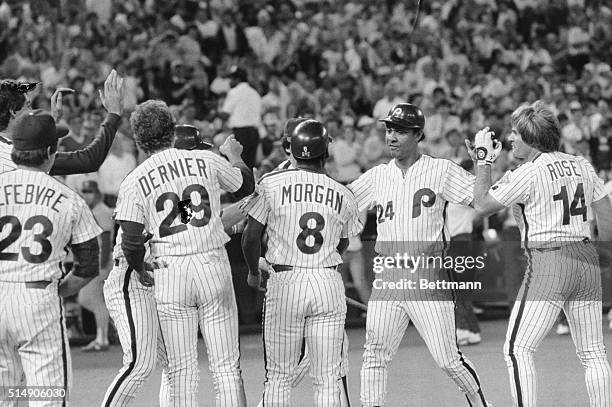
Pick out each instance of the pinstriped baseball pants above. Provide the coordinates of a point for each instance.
(132, 308)
(33, 340)
(197, 290)
(304, 304)
(569, 279)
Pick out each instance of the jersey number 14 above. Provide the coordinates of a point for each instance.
(577, 207)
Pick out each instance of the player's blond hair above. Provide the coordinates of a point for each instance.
(538, 126)
(153, 126)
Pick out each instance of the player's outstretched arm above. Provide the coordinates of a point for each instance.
(251, 249)
(86, 263)
(91, 157)
(232, 215)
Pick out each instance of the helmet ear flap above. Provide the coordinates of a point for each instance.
(421, 136)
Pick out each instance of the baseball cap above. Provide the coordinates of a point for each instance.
(90, 186)
(36, 129)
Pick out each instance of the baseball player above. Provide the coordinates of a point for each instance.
(14, 99)
(176, 193)
(308, 218)
(39, 217)
(410, 195)
(550, 194)
(131, 304)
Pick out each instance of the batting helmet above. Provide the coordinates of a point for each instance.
(188, 138)
(406, 116)
(309, 140)
(290, 125)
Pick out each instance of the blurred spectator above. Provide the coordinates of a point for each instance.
(120, 161)
(390, 99)
(243, 105)
(438, 124)
(91, 296)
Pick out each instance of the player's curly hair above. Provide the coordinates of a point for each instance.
(12, 98)
(538, 126)
(153, 126)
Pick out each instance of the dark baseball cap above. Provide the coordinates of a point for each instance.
(36, 129)
(90, 186)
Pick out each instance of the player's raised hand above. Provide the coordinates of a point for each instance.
(486, 147)
(56, 102)
(146, 279)
(232, 149)
(113, 94)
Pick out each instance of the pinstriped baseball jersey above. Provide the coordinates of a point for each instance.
(39, 216)
(411, 206)
(6, 164)
(285, 165)
(555, 190)
(153, 192)
(307, 213)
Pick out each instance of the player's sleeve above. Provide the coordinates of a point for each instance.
(599, 190)
(363, 189)
(513, 187)
(259, 206)
(91, 157)
(353, 226)
(458, 187)
(84, 226)
(129, 206)
(230, 177)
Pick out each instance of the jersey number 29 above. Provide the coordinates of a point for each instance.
(166, 228)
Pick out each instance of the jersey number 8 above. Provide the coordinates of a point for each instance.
(311, 239)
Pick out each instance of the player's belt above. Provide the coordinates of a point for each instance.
(281, 267)
(39, 285)
(586, 240)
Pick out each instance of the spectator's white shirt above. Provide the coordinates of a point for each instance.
(571, 134)
(382, 107)
(460, 219)
(531, 57)
(578, 41)
(244, 105)
(113, 170)
(101, 7)
(597, 69)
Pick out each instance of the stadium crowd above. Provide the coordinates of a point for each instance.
(466, 63)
